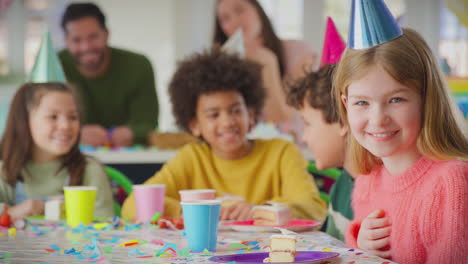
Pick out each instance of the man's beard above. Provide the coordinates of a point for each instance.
(101, 54)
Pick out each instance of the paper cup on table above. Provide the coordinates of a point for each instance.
(201, 224)
(149, 199)
(79, 204)
(197, 195)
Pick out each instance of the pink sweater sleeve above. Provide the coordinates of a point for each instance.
(352, 234)
(446, 233)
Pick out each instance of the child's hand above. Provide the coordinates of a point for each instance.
(27, 208)
(122, 136)
(93, 135)
(374, 234)
(239, 211)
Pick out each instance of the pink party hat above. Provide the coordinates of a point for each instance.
(333, 45)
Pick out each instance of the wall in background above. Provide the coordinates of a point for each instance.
(169, 30)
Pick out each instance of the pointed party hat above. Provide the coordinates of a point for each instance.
(371, 24)
(333, 45)
(235, 44)
(47, 67)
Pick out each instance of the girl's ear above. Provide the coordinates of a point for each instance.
(343, 130)
(195, 127)
(344, 100)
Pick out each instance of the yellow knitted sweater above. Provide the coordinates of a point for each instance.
(274, 170)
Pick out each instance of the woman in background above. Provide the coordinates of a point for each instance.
(282, 60)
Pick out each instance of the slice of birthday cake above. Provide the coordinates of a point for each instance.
(271, 215)
(282, 249)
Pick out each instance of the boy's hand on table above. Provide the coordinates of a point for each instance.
(27, 208)
(374, 234)
(239, 211)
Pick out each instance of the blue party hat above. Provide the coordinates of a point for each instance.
(371, 24)
(47, 67)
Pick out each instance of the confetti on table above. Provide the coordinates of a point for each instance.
(93, 244)
(108, 249)
(184, 252)
(206, 252)
(237, 245)
(55, 247)
(101, 226)
(113, 240)
(12, 232)
(158, 242)
(132, 227)
(136, 252)
(96, 243)
(129, 243)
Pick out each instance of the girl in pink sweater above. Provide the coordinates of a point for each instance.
(411, 204)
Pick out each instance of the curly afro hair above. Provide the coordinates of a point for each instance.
(209, 72)
(315, 89)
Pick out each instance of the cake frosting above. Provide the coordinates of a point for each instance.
(271, 215)
(282, 249)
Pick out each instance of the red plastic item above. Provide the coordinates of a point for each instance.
(170, 223)
(179, 223)
(5, 219)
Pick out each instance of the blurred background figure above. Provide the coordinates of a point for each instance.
(116, 86)
(282, 60)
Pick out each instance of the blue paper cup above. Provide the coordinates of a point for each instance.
(201, 224)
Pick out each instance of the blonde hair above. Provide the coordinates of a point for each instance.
(409, 61)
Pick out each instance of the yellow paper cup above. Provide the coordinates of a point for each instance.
(79, 204)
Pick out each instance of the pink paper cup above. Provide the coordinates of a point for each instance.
(149, 199)
(197, 195)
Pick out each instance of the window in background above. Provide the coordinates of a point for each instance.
(35, 25)
(339, 10)
(34, 28)
(453, 49)
(286, 17)
(31, 18)
(38, 4)
(4, 5)
(453, 45)
(3, 47)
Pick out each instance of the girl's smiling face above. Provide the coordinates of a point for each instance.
(54, 125)
(384, 115)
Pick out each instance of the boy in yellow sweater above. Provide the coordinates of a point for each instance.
(218, 98)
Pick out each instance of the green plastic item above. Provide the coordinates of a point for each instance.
(331, 173)
(122, 180)
(324, 197)
(156, 217)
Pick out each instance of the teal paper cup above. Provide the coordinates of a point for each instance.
(201, 224)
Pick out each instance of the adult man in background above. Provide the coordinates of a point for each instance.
(117, 87)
